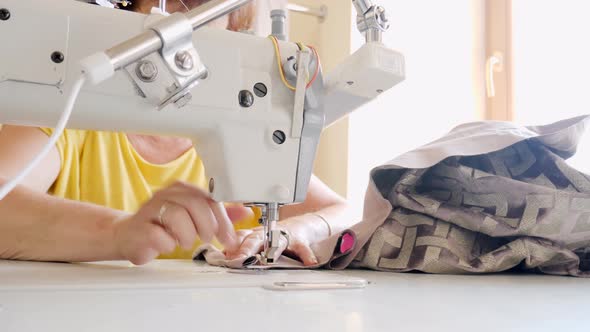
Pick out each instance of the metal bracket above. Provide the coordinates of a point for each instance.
(178, 50)
(303, 59)
(371, 20)
(168, 77)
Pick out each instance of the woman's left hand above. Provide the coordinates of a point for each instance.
(298, 244)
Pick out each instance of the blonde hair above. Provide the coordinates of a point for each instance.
(239, 20)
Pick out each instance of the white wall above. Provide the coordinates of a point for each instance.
(444, 52)
(552, 64)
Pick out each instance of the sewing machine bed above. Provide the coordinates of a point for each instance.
(184, 295)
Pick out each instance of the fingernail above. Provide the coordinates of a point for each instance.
(250, 261)
(346, 243)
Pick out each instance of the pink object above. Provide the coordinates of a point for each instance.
(347, 243)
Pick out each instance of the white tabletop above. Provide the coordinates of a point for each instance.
(186, 296)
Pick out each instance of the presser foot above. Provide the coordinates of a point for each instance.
(267, 257)
(268, 220)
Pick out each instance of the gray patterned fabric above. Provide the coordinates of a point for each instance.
(487, 197)
(517, 207)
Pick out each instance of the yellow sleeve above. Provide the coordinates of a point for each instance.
(69, 142)
(69, 145)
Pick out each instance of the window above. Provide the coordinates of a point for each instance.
(551, 57)
(444, 85)
(540, 74)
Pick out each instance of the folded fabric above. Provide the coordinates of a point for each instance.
(487, 197)
(340, 245)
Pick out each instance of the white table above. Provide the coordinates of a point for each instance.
(169, 296)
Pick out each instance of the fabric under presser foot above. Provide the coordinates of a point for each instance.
(331, 249)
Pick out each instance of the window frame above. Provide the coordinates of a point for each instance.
(498, 41)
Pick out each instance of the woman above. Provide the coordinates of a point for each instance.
(113, 196)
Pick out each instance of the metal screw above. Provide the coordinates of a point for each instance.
(146, 71)
(350, 82)
(211, 185)
(184, 60)
(57, 57)
(260, 90)
(279, 137)
(246, 98)
(4, 14)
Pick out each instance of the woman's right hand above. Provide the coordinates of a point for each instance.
(175, 216)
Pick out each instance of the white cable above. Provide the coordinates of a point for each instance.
(57, 132)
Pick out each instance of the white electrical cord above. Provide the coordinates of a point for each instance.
(57, 132)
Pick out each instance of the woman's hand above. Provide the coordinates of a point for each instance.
(301, 231)
(175, 216)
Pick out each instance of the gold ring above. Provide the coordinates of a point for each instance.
(163, 209)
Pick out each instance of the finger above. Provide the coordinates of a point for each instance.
(196, 202)
(143, 257)
(235, 212)
(192, 189)
(198, 209)
(177, 221)
(160, 240)
(138, 249)
(204, 220)
(226, 233)
(241, 236)
(304, 252)
(210, 222)
(252, 245)
(222, 227)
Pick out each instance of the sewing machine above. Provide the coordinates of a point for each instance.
(254, 107)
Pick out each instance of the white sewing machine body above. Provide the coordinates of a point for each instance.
(255, 119)
(232, 140)
(235, 143)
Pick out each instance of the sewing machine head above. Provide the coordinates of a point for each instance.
(255, 107)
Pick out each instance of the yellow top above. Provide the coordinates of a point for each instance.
(103, 168)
